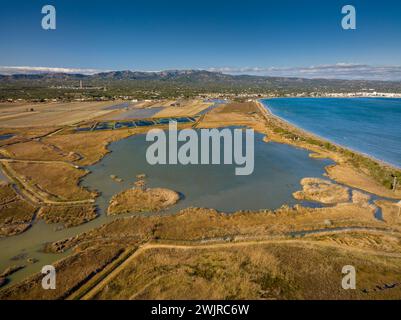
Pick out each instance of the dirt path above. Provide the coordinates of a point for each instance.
(37, 161)
(27, 192)
(97, 288)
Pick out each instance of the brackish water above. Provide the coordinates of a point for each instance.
(277, 174)
(368, 125)
(6, 136)
(278, 170)
(137, 113)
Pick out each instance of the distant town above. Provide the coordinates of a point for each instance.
(180, 84)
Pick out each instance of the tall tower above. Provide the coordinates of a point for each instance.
(80, 84)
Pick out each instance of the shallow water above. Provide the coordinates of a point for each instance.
(118, 106)
(368, 125)
(6, 136)
(216, 103)
(136, 114)
(278, 171)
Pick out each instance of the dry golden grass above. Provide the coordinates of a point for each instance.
(260, 271)
(265, 278)
(52, 181)
(349, 176)
(69, 216)
(186, 108)
(15, 214)
(142, 200)
(369, 241)
(235, 114)
(391, 212)
(51, 114)
(362, 199)
(71, 273)
(275, 270)
(15, 217)
(322, 190)
(7, 193)
(90, 146)
(37, 150)
(154, 103)
(238, 107)
(24, 134)
(196, 224)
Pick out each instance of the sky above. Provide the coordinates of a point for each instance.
(283, 37)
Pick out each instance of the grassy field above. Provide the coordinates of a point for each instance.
(142, 200)
(15, 214)
(53, 182)
(91, 147)
(391, 212)
(287, 270)
(186, 108)
(75, 270)
(69, 216)
(197, 224)
(323, 191)
(51, 114)
(38, 150)
(231, 114)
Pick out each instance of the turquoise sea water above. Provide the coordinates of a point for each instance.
(368, 125)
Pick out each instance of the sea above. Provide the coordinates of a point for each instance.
(371, 126)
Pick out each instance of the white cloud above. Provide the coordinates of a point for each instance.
(328, 71)
(334, 71)
(8, 70)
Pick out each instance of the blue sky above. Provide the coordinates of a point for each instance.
(286, 37)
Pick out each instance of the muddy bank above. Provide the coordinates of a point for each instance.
(323, 191)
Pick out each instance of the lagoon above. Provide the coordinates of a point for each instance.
(277, 174)
(278, 170)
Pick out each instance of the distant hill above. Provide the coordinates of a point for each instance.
(184, 82)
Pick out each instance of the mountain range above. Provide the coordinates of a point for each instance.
(188, 81)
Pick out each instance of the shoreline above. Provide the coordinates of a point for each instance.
(312, 134)
(351, 168)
